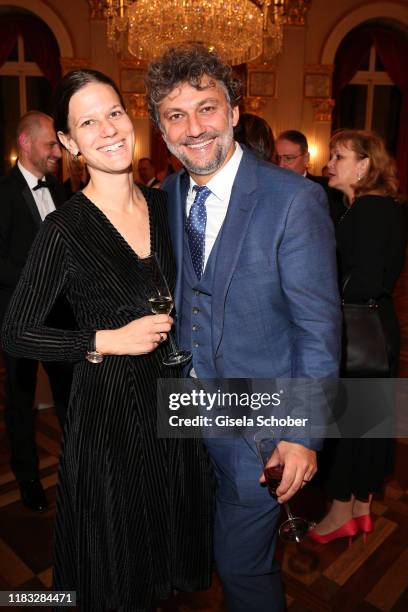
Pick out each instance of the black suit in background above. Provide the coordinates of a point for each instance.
(334, 196)
(19, 224)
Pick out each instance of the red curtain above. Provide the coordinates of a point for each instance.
(8, 38)
(354, 49)
(392, 48)
(39, 40)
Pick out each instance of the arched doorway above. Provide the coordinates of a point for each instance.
(370, 88)
(47, 14)
(370, 100)
(29, 69)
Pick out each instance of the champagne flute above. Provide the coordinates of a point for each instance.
(161, 302)
(295, 528)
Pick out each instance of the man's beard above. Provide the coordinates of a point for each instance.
(42, 166)
(223, 145)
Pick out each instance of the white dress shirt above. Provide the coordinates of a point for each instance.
(218, 201)
(42, 197)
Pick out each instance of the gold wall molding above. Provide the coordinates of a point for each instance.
(318, 80)
(260, 86)
(296, 11)
(254, 104)
(319, 69)
(133, 63)
(261, 64)
(136, 105)
(73, 63)
(323, 109)
(97, 9)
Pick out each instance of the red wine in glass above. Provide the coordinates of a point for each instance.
(295, 528)
(273, 476)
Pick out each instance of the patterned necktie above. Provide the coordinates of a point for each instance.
(196, 223)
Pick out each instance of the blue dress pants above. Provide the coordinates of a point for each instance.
(245, 529)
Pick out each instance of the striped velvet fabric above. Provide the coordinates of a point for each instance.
(133, 511)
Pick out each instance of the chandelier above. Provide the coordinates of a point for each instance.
(239, 30)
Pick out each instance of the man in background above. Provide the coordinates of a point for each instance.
(292, 153)
(27, 195)
(147, 172)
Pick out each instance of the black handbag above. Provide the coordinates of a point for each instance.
(365, 351)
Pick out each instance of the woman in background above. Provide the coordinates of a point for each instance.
(371, 240)
(133, 511)
(255, 133)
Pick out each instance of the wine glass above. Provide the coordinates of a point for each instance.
(161, 302)
(295, 528)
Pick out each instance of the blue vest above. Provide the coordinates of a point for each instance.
(195, 316)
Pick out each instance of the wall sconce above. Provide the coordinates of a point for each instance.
(313, 150)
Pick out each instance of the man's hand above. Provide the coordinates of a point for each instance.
(299, 466)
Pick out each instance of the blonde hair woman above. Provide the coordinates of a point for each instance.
(371, 240)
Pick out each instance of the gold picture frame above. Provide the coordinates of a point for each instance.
(317, 86)
(132, 80)
(261, 83)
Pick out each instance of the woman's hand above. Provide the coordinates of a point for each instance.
(136, 338)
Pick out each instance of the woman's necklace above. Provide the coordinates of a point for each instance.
(346, 212)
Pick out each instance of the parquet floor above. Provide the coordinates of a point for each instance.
(317, 578)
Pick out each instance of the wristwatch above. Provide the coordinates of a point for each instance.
(92, 354)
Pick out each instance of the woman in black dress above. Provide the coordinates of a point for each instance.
(133, 511)
(371, 241)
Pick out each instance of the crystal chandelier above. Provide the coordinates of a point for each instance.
(239, 30)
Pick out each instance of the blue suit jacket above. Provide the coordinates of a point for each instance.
(275, 306)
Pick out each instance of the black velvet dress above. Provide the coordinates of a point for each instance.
(133, 511)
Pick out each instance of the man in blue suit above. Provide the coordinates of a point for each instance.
(256, 296)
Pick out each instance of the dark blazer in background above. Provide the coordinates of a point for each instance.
(19, 224)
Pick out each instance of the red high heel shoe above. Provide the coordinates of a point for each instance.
(348, 530)
(365, 524)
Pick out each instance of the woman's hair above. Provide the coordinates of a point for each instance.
(187, 64)
(381, 175)
(256, 134)
(69, 85)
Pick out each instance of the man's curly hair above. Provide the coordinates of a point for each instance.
(187, 64)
